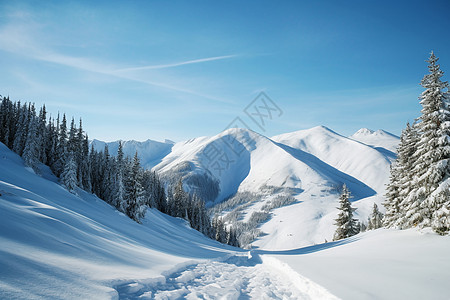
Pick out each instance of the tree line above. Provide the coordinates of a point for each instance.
(119, 180)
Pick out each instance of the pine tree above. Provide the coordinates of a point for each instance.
(51, 143)
(85, 165)
(375, 219)
(119, 191)
(433, 148)
(31, 150)
(346, 225)
(401, 177)
(22, 129)
(61, 147)
(6, 114)
(134, 192)
(220, 230)
(440, 205)
(107, 175)
(180, 198)
(72, 142)
(42, 135)
(69, 174)
(159, 194)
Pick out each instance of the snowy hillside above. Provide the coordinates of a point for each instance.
(346, 155)
(248, 161)
(309, 165)
(150, 152)
(56, 245)
(379, 139)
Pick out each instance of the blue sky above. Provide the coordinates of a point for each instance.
(181, 69)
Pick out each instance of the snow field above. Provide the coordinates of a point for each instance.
(379, 264)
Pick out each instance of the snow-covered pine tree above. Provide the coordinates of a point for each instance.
(346, 225)
(119, 186)
(134, 192)
(6, 114)
(94, 173)
(392, 202)
(79, 138)
(85, 165)
(61, 148)
(42, 132)
(440, 205)
(219, 229)
(22, 129)
(401, 177)
(375, 219)
(72, 142)
(159, 194)
(69, 174)
(148, 185)
(108, 178)
(180, 198)
(362, 227)
(31, 151)
(433, 150)
(50, 143)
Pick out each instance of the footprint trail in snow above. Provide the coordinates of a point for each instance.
(238, 277)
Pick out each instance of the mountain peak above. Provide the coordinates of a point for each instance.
(379, 138)
(363, 132)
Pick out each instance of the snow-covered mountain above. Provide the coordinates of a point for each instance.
(57, 245)
(309, 165)
(379, 139)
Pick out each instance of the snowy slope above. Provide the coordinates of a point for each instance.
(379, 139)
(150, 152)
(57, 245)
(248, 161)
(346, 155)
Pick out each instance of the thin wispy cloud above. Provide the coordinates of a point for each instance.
(188, 62)
(21, 40)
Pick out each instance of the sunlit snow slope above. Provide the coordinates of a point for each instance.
(379, 264)
(55, 245)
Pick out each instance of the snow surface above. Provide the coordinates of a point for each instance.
(353, 158)
(379, 264)
(56, 245)
(237, 277)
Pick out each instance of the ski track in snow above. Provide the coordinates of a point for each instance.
(237, 277)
